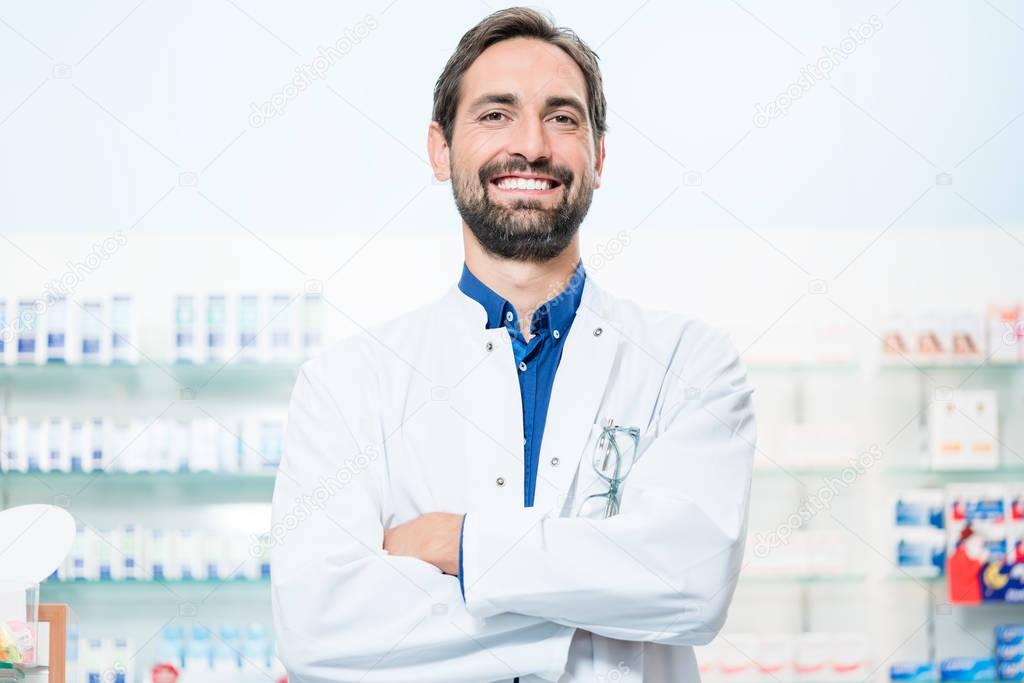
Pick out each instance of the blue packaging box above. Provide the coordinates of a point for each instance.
(968, 669)
(1011, 671)
(1010, 634)
(914, 672)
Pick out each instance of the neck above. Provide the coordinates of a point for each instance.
(525, 285)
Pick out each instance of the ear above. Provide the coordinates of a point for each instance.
(599, 163)
(438, 151)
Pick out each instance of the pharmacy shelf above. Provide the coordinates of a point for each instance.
(784, 471)
(1000, 474)
(802, 579)
(74, 592)
(958, 366)
(802, 366)
(898, 366)
(900, 577)
(152, 487)
(180, 379)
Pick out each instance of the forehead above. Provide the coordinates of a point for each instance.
(530, 68)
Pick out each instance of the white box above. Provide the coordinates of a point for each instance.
(12, 442)
(282, 328)
(91, 334)
(963, 431)
(185, 346)
(55, 330)
(124, 334)
(1005, 334)
(30, 342)
(56, 449)
(249, 317)
(77, 445)
(216, 343)
(34, 457)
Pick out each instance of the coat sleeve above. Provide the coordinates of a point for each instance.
(344, 610)
(664, 569)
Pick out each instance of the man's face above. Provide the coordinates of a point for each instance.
(523, 159)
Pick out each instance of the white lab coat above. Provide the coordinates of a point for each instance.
(423, 413)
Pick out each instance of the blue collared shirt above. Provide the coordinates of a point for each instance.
(536, 359)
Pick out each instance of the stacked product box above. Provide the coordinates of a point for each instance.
(955, 337)
(254, 444)
(1005, 326)
(919, 534)
(1010, 652)
(773, 657)
(968, 669)
(275, 328)
(229, 655)
(963, 429)
(985, 543)
(913, 672)
(54, 330)
(135, 553)
(1006, 665)
(212, 328)
(938, 337)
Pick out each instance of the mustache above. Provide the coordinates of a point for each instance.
(562, 174)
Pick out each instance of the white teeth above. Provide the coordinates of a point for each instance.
(524, 184)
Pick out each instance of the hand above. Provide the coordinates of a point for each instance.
(433, 537)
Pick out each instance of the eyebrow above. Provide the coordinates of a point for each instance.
(495, 98)
(571, 102)
(511, 100)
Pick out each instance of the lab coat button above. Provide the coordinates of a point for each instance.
(500, 481)
(598, 331)
(489, 346)
(554, 462)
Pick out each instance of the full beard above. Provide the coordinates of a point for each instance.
(523, 230)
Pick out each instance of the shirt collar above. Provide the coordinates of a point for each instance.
(557, 312)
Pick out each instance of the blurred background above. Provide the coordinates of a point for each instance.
(197, 196)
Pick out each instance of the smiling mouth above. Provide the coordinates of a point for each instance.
(525, 185)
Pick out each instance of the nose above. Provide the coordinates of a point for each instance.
(530, 140)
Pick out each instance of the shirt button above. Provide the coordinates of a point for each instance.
(554, 462)
(556, 334)
(500, 481)
(522, 366)
(509, 316)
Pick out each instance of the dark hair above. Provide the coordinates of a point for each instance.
(516, 22)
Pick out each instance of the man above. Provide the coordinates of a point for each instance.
(528, 478)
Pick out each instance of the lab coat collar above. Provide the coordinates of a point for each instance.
(578, 394)
(469, 312)
(556, 313)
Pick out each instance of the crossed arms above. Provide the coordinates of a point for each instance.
(662, 570)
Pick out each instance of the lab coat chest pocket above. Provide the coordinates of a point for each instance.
(588, 480)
